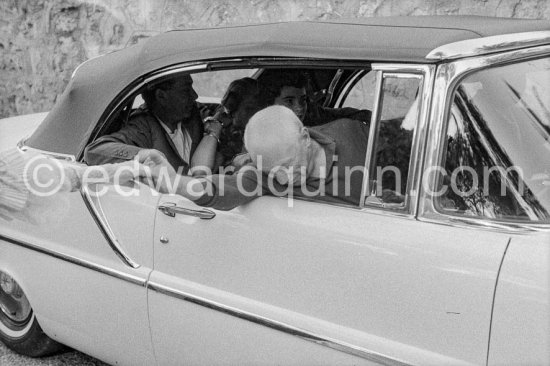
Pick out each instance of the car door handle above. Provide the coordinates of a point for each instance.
(171, 209)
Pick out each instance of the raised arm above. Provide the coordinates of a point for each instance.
(206, 158)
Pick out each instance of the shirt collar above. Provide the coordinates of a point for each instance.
(167, 129)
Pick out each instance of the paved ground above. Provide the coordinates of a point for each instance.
(9, 358)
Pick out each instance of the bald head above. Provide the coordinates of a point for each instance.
(275, 133)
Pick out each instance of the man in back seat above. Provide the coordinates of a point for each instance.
(169, 122)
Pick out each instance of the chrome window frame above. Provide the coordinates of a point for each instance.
(447, 77)
(426, 74)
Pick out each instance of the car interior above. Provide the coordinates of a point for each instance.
(330, 87)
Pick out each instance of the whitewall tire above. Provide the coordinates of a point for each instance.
(19, 329)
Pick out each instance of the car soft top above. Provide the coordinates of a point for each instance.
(395, 39)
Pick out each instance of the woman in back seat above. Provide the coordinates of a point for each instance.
(242, 99)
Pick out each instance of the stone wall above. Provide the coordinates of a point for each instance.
(42, 41)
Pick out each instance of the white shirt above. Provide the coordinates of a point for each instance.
(181, 139)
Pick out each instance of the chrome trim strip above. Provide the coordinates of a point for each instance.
(77, 261)
(399, 68)
(94, 206)
(277, 325)
(483, 223)
(401, 75)
(446, 77)
(420, 138)
(488, 45)
(67, 157)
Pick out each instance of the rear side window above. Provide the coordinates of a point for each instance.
(497, 159)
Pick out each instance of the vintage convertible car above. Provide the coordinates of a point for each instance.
(450, 267)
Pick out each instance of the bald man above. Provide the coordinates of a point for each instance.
(324, 162)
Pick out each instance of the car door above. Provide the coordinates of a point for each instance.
(84, 260)
(304, 282)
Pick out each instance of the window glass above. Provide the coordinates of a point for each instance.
(361, 95)
(394, 141)
(210, 86)
(497, 162)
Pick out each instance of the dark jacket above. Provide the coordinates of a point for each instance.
(142, 131)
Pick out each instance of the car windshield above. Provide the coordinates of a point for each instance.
(498, 143)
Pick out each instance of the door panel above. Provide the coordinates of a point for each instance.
(190, 334)
(416, 291)
(520, 332)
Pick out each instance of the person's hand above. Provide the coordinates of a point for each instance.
(214, 127)
(241, 160)
(224, 116)
(151, 157)
(215, 124)
(156, 171)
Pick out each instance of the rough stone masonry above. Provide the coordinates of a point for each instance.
(42, 41)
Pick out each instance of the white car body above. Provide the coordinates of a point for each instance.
(265, 283)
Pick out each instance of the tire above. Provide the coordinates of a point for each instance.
(19, 329)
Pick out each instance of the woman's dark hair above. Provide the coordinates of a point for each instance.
(247, 96)
(239, 90)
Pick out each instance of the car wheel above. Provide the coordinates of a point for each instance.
(19, 329)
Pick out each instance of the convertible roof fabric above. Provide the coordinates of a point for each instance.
(396, 39)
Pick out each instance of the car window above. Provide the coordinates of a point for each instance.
(210, 86)
(393, 142)
(497, 162)
(361, 94)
